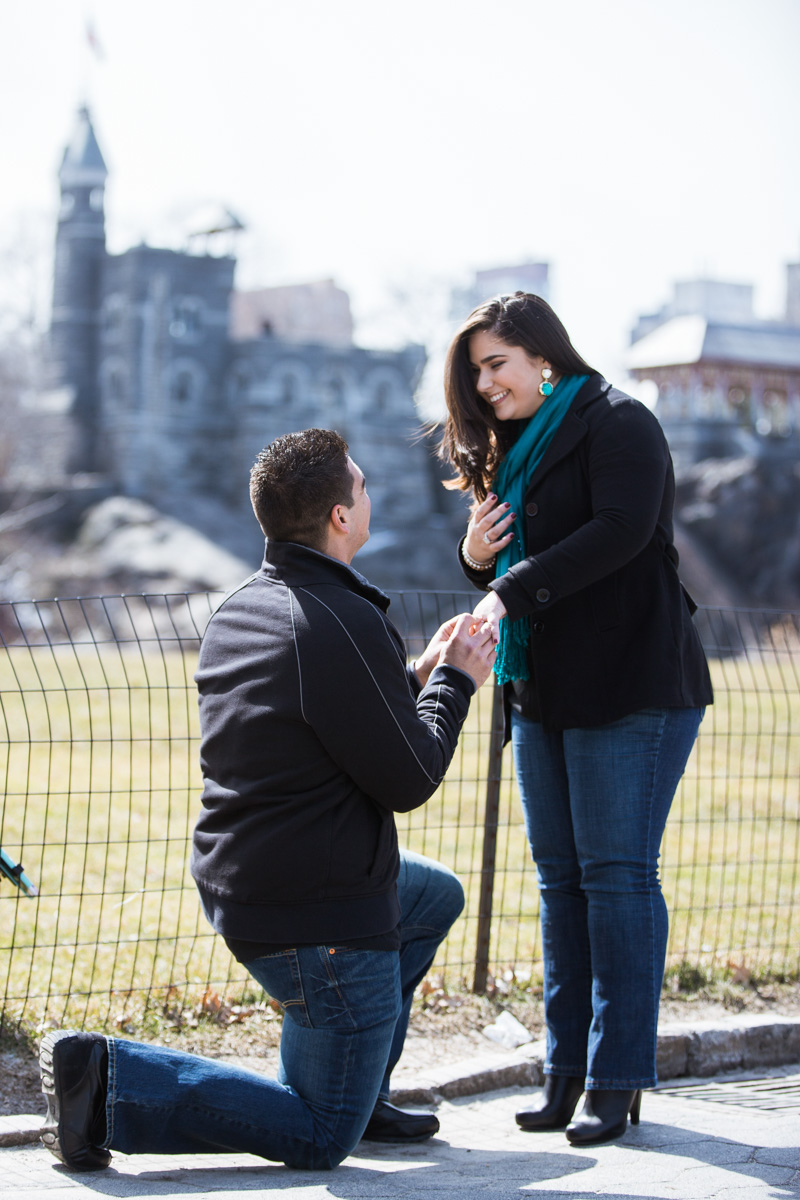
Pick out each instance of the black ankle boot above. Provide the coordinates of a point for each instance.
(604, 1117)
(561, 1094)
(74, 1068)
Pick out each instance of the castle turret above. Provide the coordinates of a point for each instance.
(79, 260)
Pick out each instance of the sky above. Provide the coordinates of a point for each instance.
(397, 148)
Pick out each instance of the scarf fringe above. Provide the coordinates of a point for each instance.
(512, 660)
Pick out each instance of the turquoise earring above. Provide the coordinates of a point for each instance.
(545, 387)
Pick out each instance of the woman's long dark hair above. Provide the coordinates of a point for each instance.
(474, 440)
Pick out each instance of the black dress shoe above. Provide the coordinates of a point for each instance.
(390, 1124)
(560, 1096)
(604, 1117)
(74, 1068)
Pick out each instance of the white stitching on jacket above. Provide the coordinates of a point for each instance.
(427, 774)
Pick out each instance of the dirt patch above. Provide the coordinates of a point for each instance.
(444, 1029)
(20, 1090)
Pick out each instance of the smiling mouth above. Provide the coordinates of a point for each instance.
(498, 397)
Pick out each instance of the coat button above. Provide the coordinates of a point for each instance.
(532, 508)
(538, 626)
(543, 595)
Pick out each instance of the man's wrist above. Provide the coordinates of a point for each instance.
(461, 670)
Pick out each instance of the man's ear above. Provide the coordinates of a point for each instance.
(340, 518)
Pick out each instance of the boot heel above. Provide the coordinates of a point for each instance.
(636, 1107)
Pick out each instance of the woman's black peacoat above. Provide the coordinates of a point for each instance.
(611, 625)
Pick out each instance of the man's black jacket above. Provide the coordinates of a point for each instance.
(314, 733)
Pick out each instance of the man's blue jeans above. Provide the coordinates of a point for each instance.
(595, 803)
(346, 1015)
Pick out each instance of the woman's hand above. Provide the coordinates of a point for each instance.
(489, 529)
(490, 611)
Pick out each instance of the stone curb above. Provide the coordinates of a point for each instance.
(701, 1049)
(20, 1130)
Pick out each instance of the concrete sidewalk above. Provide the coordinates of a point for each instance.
(732, 1136)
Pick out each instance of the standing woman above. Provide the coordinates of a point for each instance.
(604, 678)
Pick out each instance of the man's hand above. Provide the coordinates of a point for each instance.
(432, 652)
(460, 642)
(490, 610)
(471, 648)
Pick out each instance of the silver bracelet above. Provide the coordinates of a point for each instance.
(476, 566)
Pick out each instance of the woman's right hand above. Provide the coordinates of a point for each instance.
(489, 529)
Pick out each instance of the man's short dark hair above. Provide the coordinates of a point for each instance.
(295, 483)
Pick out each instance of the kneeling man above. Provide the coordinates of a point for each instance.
(314, 733)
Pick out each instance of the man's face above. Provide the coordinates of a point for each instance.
(359, 510)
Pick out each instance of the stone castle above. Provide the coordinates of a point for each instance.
(166, 381)
(172, 382)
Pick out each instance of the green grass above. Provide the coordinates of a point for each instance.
(98, 762)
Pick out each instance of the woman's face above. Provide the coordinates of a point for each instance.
(506, 377)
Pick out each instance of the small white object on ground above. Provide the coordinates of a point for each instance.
(507, 1031)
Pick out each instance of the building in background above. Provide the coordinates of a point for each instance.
(496, 281)
(728, 383)
(301, 312)
(168, 382)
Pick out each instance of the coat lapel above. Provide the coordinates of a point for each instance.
(571, 430)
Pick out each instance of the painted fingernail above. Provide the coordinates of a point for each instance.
(491, 496)
(513, 516)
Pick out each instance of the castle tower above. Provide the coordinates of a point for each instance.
(79, 260)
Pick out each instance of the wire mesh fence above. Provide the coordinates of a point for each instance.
(99, 769)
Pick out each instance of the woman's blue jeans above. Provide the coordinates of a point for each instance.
(595, 803)
(346, 1015)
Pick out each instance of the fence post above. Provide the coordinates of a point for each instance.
(490, 819)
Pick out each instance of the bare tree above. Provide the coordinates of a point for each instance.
(24, 268)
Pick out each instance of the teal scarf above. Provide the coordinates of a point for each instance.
(511, 484)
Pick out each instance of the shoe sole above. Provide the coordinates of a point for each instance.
(49, 1133)
(399, 1141)
(388, 1139)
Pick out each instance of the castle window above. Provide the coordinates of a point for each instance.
(289, 390)
(115, 383)
(383, 396)
(116, 387)
(182, 388)
(238, 384)
(186, 319)
(336, 392)
(112, 317)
